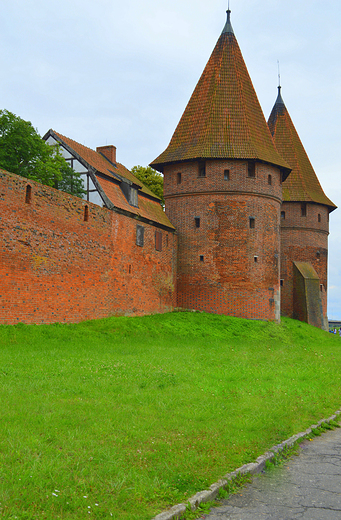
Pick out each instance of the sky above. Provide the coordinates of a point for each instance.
(112, 72)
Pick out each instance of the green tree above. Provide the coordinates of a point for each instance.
(151, 178)
(25, 153)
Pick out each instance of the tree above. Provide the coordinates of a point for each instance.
(25, 153)
(151, 178)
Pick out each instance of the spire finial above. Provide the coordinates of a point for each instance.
(228, 26)
(279, 100)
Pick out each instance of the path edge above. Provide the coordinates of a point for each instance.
(208, 495)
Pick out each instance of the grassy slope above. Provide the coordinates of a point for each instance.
(136, 414)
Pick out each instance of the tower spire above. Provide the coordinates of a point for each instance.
(228, 27)
(279, 100)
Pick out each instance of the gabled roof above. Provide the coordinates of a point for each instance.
(108, 176)
(223, 118)
(302, 185)
(100, 163)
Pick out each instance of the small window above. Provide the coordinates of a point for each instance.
(129, 269)
(86, 213)
(318, 255)
(202, 169)
(139, 236)
(226, 175)
(319, 217)
(255, 258)
(166, 240)
(178, 178)
(251, 169)
(303, 210)
(269, 180)
(252, 222)
(283, 215)
(321, 287)
(201, 258)
(28, 195)
(158, 240)
(197, 222)
(282, 283)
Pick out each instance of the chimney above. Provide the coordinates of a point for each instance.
(108, 151)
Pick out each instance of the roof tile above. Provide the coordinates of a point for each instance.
(302, 185)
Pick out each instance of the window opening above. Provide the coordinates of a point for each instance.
(318, 255)
(226, 175)
(319, 217)
(252, 222)
(129, 269)
(139, 235)
(282, 283)
(283, 215)
(86, 213)
(321, 287)
(158, 240)
(255, 258)
(197, 222)
(28, 195)
(251, 169)
(303, 210)
(269, 180)
(178, 178)
(201, 258)
(202, 169)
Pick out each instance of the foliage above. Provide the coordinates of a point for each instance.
(25, 153)
(129, 416)
(151, 178)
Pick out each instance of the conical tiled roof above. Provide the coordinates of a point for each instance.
(223, 119)
(302, 185)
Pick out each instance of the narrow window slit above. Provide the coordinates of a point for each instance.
(28, 196)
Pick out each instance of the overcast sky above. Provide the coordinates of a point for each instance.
(112, 72)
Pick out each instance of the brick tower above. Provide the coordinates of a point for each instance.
(304, 226)
(223, 193)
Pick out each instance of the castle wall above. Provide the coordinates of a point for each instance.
(225, 266)
(61, 262)
(303, 239)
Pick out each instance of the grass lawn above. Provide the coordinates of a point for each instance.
(124, 417)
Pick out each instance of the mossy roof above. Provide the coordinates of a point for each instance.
(302, 185)
(223, 119)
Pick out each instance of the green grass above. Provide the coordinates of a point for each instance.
(137, 414)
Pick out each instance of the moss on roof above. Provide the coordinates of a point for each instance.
(223, 118)
(302, 185)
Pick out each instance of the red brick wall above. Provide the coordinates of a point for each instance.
(304, 239)
(228, 280)
(54, 266)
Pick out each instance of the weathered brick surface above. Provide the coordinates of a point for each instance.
(217, 271)
(304, 239)
(54, 266)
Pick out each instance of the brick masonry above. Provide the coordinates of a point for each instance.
(225, 265)
(56, 266)
(304, 239)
